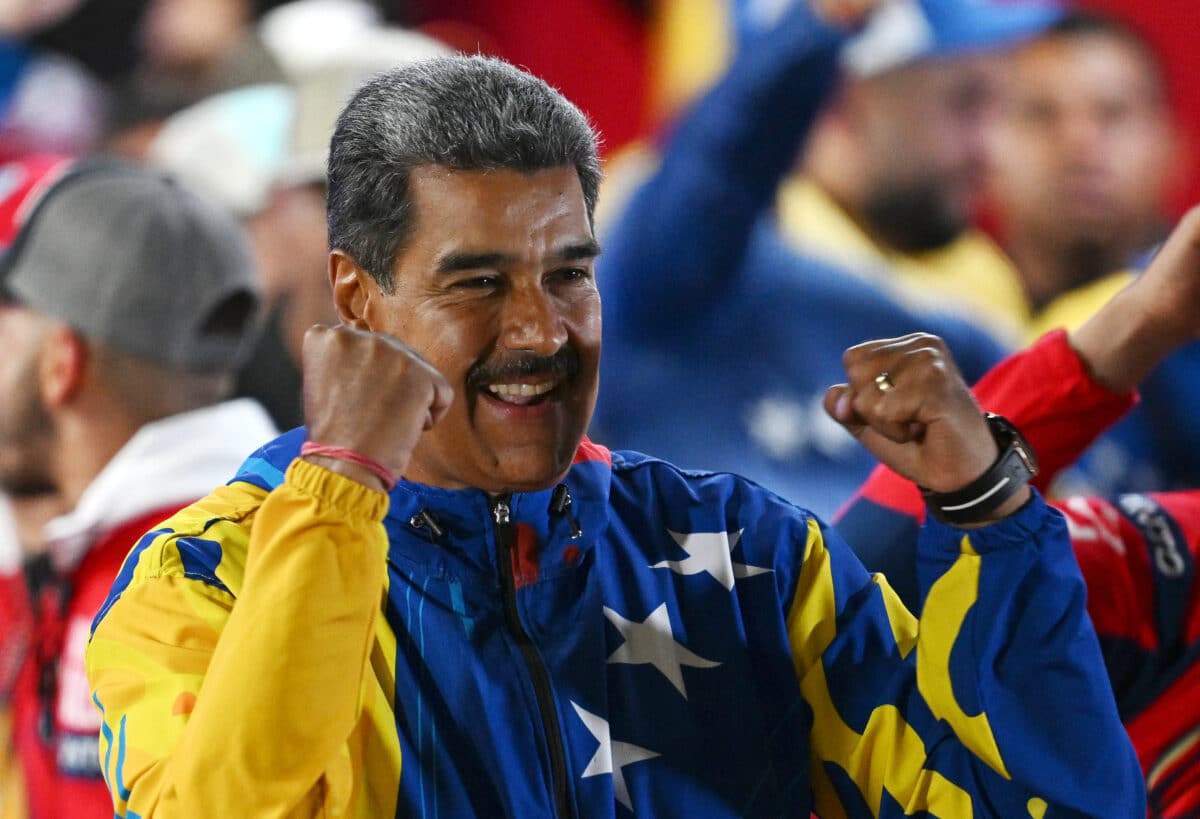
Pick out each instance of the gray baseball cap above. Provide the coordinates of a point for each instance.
(130, 259)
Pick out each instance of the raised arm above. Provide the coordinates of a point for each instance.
(1151, 318)
(997, 704)
(680, 240)
(208, 692)
(1062, 393)
(230, 661)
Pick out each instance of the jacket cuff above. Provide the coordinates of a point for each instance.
(1029, 526)
(331, 489)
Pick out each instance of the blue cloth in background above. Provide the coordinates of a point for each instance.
(720, 340)
(1156, 447)
(13, 59)
(739, 387)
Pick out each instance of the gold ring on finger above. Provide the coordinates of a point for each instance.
(884, 382)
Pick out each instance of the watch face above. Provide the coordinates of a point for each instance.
(1026, 456)
(1007, 435)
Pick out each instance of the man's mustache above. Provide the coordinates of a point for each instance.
(564, 365)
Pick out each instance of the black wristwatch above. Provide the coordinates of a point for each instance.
(1013, 468)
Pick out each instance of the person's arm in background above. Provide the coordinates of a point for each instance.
(679, 242)
(1138, 554)
(1062, 393)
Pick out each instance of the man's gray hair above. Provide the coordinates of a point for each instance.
(464, 113)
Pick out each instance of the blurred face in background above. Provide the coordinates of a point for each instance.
(192, 34)
(923, 132)
(290, 244)
(21, 17)
(1083, 146)
(26, 429)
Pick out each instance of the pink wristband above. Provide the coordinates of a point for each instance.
(349, 455)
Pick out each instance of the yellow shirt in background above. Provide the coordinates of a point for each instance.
(1074, 307)
(971, 277)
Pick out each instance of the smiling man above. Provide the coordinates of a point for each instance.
(507, 310)
(525, 624)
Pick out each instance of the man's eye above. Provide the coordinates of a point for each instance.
(571, 274)
(478, 283)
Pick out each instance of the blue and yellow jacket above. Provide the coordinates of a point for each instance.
(638, 640)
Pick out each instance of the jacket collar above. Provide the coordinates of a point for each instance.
(465, 516)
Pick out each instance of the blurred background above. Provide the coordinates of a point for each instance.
(630, 64)
(928, 191)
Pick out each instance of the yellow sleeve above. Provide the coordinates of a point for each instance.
(995, 704)
(229, 663)
(886, 754)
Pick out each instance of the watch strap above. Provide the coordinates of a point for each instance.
(1011, 470)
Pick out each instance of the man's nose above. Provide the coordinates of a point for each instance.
(532, 322)
(1083, 138)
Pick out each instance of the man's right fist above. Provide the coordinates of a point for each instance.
(370, 393)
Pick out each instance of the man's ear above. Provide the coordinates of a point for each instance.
(61, 365)
(353, 289)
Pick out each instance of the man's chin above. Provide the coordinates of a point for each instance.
(22, 487)
(18, 478)
(514, 467)
(531, 467)
(917, 221)
(529, 477)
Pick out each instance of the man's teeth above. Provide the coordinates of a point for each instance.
(520, 390)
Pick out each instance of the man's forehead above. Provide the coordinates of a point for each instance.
(497, 206)
(482, 186)
(1103, 55)
(944, 71)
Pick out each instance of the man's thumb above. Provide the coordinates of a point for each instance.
(839, 406)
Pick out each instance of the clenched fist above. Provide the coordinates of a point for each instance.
(370, 393)
(907, 404)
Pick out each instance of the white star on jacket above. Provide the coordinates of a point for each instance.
(710, 552)
(652, 641)
(611, 757)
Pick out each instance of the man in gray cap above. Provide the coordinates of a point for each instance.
(126, 305)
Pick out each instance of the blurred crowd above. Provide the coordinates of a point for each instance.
(989, 177)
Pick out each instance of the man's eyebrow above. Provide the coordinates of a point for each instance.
(576, 251)
(460, 260)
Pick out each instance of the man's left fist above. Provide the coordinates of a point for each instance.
(906, 402)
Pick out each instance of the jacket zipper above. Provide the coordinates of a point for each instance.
(505, 542)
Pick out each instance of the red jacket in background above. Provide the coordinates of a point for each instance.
(61, 767)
